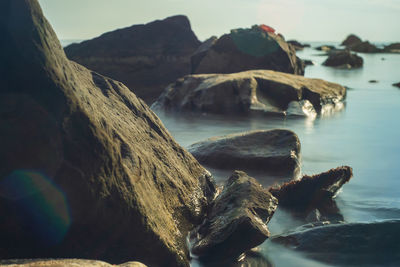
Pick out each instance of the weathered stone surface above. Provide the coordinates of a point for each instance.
(248, 92)
(344, 59)
(396, 84)
(309, 192)
(351, 244)
(392, 48)
(274, 151)
(350, 40)
(248, 49)
(236, 221)
(364, 47)
(144, 57)
(64, 263)
(87, 169)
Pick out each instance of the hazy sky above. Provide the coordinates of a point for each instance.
(307, 20)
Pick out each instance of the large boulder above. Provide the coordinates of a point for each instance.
(344, 59)
(273, 151)
(260, 91)
(87, 169)
(144, 57)
(248, 49)
(237, 220)
(350, 244)
(351, 39)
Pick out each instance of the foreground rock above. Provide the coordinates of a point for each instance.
(274, 151)
(344, 59)
(65, 263)
(144, 57)
(249, 92)
(350, 40)
(312, 192)
(397, 84)
(248, 49)
(352, 244)
(88, 170)
(236, 221)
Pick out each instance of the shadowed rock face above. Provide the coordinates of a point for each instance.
(144, 57)
(351, 40)
(248, 49)
(236, 221)
(392, 48)
(87, 169)
(259, 91)
(344, 59)
(397, 84)
(65, 263)
(351, 244)
(274, 151)
(364, 47)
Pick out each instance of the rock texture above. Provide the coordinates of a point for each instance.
(64, 263)
(87, 169)
(350, 40)
(236, 221)
(351, 244)
(248, 92)
(248, 49)
(144, 57)
(344, 59)
(274, 151)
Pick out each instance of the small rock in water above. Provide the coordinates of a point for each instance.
(397, 84)
(373, 81)
(344, 59)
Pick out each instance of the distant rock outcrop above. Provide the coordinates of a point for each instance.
(248, 49)
(237, 220)
(144, 57)
(350, 40)
(364, 47)
(261, 91)
(87, 169)
(297, 45)
(392, 48)
(274, 151)
(344, 59)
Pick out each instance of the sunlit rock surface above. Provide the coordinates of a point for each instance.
(87, 169)
(64, 263)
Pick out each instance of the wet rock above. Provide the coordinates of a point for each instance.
(64, 263)
(248, 49)
(350, 40)
(88, 170)
(237, 220)
(274, 151)
(397, 84)
(248, 92)
(297, 45)
(344, 59)
(392, 48)
(144, 57)
(325, 48)
(364, 47)
(311, 192)
(350, 244)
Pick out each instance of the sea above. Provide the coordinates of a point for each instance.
(365, 135)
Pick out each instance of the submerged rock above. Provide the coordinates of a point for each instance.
(350, 40)
(344, 59)
(237, 220)
(325, 48)
(144, 57)
(274, 151)
(65, 263)
(88, 170)
(248, 49)
(260, 91)
(311, 192)
(350, 244)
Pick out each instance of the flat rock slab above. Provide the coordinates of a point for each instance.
(273, 151)
(64, 263)
(237, 220)
(258, 91)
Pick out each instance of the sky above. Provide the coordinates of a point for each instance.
(304, 20)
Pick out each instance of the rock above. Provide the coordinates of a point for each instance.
(344, 59)
(310, 192)
(297, 45)
(373, 81)
(392, 48)
(202, 51)
(260, 91)
(237, 220)
(350, 244)
(308, 62)
(397, 84)
(87, 169)
(144, 57)
(325, 48)
(64, 263)
(364, 47)
(274, 151)
(350, 40)
(248, 49)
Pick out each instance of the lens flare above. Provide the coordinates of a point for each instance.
(41, 206)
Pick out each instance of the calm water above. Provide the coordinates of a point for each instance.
(365, 135)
